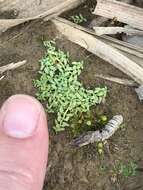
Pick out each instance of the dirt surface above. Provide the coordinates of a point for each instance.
(68, 168)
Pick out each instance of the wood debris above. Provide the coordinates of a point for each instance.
(101, 49)
(136, 39)
(98, 21)
(54, 11)
(133, 17)
(120, 11)
(31, 8)
(97, 136)
(11, 66)
(125, 82)
(131, 50)
(115, 29)
(1, 77)
(127, 47)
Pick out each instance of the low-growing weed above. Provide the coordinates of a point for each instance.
(127, 170)
(59, 87)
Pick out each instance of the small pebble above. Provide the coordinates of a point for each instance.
(139, 92)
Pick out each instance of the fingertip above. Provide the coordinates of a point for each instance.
(20, 116)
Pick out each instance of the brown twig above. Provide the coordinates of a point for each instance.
(5, 24)
(114, 30)
(11, 66)
(1, 77)
(125, 82)
(123, 12)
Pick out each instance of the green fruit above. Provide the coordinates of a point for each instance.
(103, 118)
(100, 145)
(100, 151)
(88, 123)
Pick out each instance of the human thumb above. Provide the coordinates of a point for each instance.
(23, 144)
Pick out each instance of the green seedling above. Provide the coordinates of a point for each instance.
(78, 19)
(82, 123)
(59, 87)
(100, 148)
(123, 126)
(102, 120)
(121, 169)
(127, 170)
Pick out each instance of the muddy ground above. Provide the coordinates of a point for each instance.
(68, 168)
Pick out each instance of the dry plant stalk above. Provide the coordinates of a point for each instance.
(129, 49)
(101, 49)
(11, 66)
(117, 80)
(120, 11)
(1, 77)
(114, 30)
(98, 21)
(5, 24)
(97, 136)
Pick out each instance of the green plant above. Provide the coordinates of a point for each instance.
(59, 87)
(78, 19)
(123, 127)
(102, 120)
(100, 148)
(127, 170)
(82, 123)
